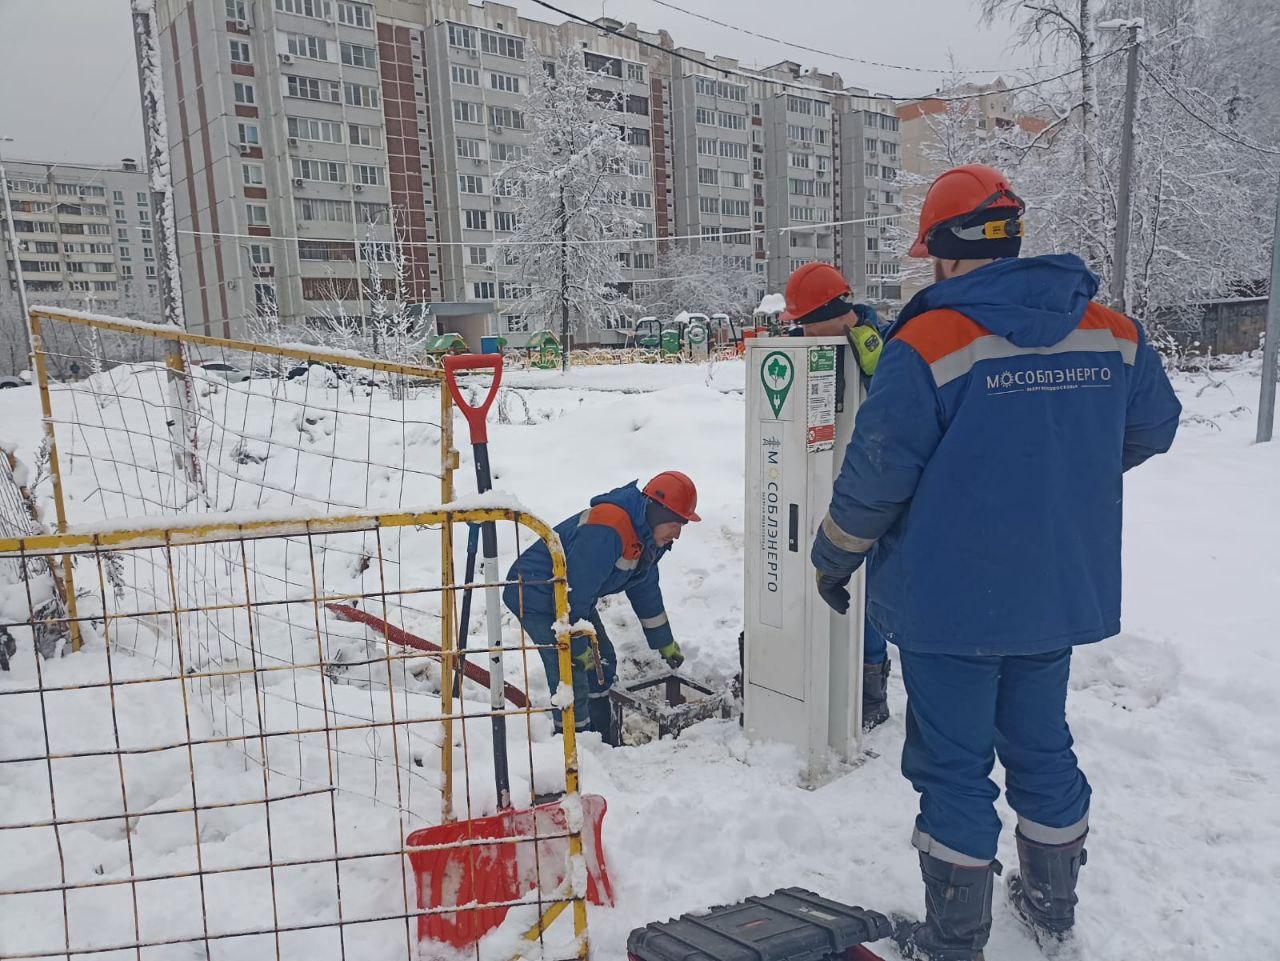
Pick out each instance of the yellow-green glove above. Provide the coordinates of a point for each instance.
(867, 344)
(672, 655)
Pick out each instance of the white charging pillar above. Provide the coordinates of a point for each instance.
(803, 662)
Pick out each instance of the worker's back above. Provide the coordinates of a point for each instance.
(1018, 404)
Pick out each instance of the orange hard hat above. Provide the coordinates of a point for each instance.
(960, 193)
(674, 491)
(811, 286)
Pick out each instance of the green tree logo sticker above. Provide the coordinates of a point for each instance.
(777, 373)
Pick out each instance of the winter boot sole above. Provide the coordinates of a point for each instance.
(1055, 944)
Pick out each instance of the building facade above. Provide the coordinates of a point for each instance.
(84, 242)
(311, 140)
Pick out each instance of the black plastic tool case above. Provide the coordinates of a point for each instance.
(789, 925)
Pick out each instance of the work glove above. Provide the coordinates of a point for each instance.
(867, 345)
(672, 655)
(586, 660)
(834, 589)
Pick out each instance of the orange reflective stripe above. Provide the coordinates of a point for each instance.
(1097, 317)
(611, 515)
(937, 333)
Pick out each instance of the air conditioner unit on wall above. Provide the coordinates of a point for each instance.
(358, 188)
(298, 181)
(286, 58)
(293, 141)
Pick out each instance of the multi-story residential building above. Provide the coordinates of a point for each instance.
(307, 135)
(713, 184)
(84, 241)
(962, 125)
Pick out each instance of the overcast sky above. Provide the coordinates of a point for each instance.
(71, 93)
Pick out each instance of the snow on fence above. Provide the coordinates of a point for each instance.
(275, 647)
(158, 794)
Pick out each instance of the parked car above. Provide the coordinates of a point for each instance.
(228, 372)
(8, 381)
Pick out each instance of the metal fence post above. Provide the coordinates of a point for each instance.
(1271, 339)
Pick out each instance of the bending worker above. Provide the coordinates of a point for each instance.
(614, 545)
(819, 305)
(985, 481)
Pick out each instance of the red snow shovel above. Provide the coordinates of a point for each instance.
(483, 865)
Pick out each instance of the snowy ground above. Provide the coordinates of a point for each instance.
(1176, 720)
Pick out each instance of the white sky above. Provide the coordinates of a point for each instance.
(70, 88)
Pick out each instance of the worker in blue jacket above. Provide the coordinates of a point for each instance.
(614, 545)
(984, 482)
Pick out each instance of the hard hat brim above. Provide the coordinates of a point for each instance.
(919, 249)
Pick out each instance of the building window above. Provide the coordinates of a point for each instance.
(144, 216)
(638, 136)
(704, 116)
(469, 184)
(326, 171)
(600, 64)
(635, 72)
(504, 221)
(735, 208)
(705, 86)
(264, 296)
(709, 176)
(797, 132)
(321, 131)
(889, 147)
(732, 121)
(733, 151)
(260, 255)
(803, 161)
(642, 262)
(511, 151)
(475, 219)
(238, 10)
(362, 135)
(502, 45)
(122, 235)
(373, 214)
(889, 173)
(356, 55)
(469, 148)
(244, 93)
(306, 46)
(464, 38)
(641, 198)
(466, 76)
(710, 233)
(871, 170)
(890, 197)
(316, 9)
(708, 146)
(252, 175)
(144, 234)
(515, 324)
(802, 187)
(355, 14)
(332, 211)
(370, 175)
(504, 81)
(240, 52)
(477, 256)
(799, 105)
(731, 91)
(360, 95)
(148, 253)
(126, 271)
(482, 290)
(638, 105)
(709, 205)
(464, 111)
(117, 196)
(248, 134)
(311, 88)
(506, 117)
(122, 217)
(640, 168)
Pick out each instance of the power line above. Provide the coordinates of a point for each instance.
(793, 85)
(1241, 141)
(737, 231)
(825, 53)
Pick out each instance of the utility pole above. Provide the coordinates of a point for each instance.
(1120, 260)
(1271, 339)
(12, 233)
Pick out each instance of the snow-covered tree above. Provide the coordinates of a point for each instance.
(571, 193)
(702, 281)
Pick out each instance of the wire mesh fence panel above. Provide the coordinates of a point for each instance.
(257, 771)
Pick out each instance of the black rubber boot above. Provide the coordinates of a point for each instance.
(957, 920)
(1043, 890)
(875, 694)
(602, 721)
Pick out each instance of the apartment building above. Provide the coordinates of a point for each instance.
(85, 241)
(713, 184)
(987, 109)
(315, 141)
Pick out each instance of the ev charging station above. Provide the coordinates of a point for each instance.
(802, 661)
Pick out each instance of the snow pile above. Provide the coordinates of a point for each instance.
(1176, 721)
(772, 304)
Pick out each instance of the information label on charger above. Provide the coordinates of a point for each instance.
(821, 399)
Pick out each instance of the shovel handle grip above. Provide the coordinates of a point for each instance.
(477, 417)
